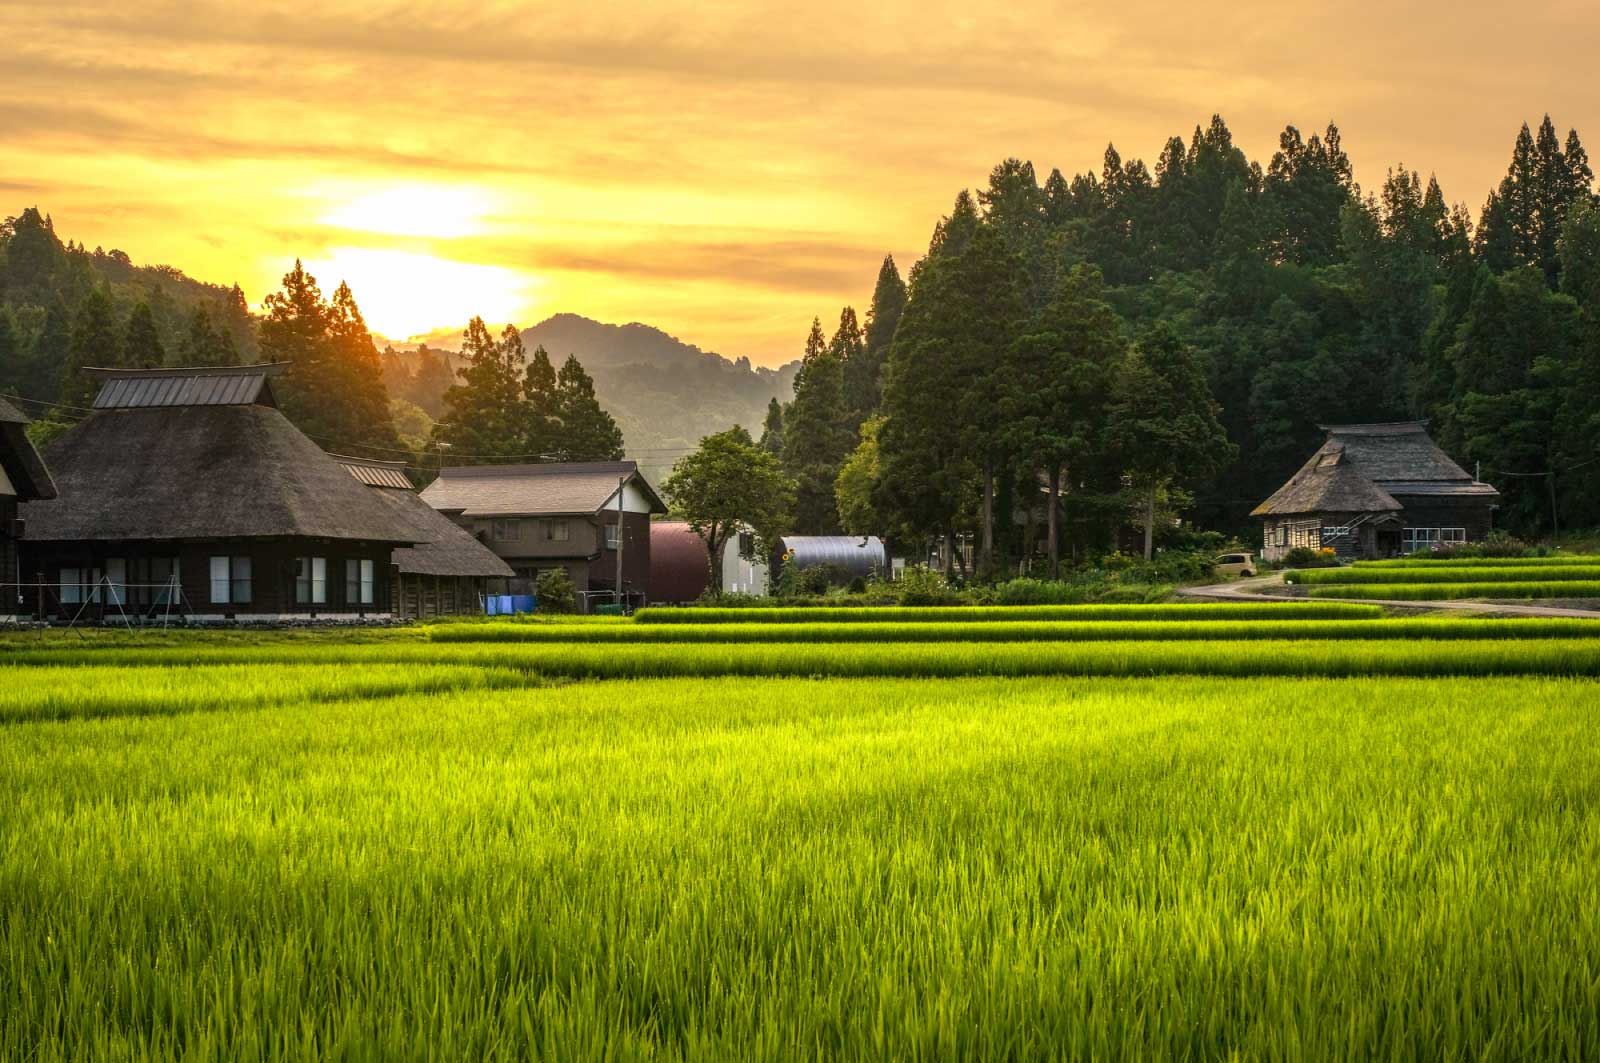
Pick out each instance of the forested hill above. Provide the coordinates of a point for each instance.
(54, 294)
(665, 394)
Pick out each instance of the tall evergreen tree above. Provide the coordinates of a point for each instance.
(863, 375)
(484, 416)
(204, 344)
(334, 390)
(772, 428)
(141, 342)
(587, 431)
(542, 398)
(1055, 388)
(1164, 421)
(96, 341)
(818, 429)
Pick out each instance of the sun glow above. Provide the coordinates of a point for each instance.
(403, 294)
(439, 211)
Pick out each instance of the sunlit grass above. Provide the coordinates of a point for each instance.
(793, 869)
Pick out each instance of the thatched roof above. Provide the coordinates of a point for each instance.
(22, 472)
(558, 489)
(442, 548)
(201, 472)
(1371, 468)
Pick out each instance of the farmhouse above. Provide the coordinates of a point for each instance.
(187, 491)
(447, 572)
(1376, 490)
(23, 478)
(560, 515)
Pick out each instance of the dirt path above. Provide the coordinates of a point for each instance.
(1249, 590)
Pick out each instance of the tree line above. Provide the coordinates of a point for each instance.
(1081, 355)
(64, 309)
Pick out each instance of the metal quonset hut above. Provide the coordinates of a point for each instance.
(186, 490)
(1376, 490)
(448, 571)
(23, 478)
(849, 556)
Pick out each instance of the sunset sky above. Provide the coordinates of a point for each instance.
(723, 171)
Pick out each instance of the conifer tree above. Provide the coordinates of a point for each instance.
(772, 428)
(1164, 421)
(484, 417)
(587, 431)
(204, 344)
(864, 374)
(818, 431)
(95, 341)
(141, 343)
(542, 400)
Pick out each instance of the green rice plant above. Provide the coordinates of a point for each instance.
(764, 870)
(1423, 592)
(993, 613)
(1553, 560)
(1028, 631)
(77, 691)
(1498, 655)
(1449, 574)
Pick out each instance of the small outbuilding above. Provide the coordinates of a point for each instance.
(680, 570)
(448, 571)
(845, 557)
(1375, 491)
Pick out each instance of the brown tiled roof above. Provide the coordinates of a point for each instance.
(533, 490)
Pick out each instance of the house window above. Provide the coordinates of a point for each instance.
(311, 581)
(507, 531)
(80, 586)
(613, 536)
(358, 582)
(155, 581)
(117, 577)
(231, 581)
(557, 531)
(1283, 534)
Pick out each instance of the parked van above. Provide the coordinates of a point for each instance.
(1231, 565)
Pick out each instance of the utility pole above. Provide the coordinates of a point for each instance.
(622, 483)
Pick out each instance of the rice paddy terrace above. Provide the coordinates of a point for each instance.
(1276, 830)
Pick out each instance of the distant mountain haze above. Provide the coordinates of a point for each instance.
(664, 393)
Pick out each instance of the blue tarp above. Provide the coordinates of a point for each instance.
(507, 604)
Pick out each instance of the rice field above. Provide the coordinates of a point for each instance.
(1260, 832)
(1449, 574)
(1552, 560)
(1422, 592)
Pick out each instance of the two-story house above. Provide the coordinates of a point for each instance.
(565, 515)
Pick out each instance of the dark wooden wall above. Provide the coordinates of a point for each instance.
(272, 575)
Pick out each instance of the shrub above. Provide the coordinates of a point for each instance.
(921, 585)
(556, 592)
(1038, 592)
(1306, 557)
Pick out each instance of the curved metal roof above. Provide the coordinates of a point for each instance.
(857, 554)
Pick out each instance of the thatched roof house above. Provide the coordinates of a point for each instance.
(23, 478)
(447, 571)
(559, 515)
(1377, 490)
(191, 490)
